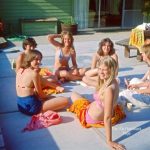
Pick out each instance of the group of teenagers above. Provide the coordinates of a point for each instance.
(102, 75)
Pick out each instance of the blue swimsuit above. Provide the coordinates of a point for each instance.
(29, 105)
(62, 57)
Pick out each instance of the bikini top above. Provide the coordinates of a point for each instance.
(20, 73)
(61, 56)
(99, 103)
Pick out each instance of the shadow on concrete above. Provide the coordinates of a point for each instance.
(69, 86)
(133, 131)
(125, 69)
(66, 119)
(9, 45)
(139, 114)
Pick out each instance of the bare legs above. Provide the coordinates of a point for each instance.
(68, 75)
(56, 103)
(90, 81)
(91, 77)
(75, 96)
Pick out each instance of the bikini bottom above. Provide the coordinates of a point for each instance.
(29, 105)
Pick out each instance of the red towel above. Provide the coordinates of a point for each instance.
(43, 120)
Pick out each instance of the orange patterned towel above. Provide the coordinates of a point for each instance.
(79, 108)
(49, 91)
(47, 72)
(137, 38)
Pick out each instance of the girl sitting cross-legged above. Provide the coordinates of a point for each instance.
(65, 51)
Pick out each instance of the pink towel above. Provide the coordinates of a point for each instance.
(43, 120)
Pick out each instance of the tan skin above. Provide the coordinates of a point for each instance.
(109, 99)
(46, 81)
(31, 79)
(67, 49)
(22, 55)
(91, 76)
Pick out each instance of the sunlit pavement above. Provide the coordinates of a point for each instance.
(133, 131)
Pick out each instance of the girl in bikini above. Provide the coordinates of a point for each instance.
(64, 52)
(106, 48)
(30, 97)
(104, 107)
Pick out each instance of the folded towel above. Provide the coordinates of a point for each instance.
(43, 120)
(137, 38)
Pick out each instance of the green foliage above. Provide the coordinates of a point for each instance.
(69, 21)
(146, 8)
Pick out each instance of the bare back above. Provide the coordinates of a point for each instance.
(24, 83)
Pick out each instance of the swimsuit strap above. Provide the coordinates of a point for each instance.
(19, 76)
(61, 56)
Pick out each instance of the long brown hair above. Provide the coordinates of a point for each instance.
(106, 40)
(30, 57)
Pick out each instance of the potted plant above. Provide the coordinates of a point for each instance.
(69, 25)
(146, 11)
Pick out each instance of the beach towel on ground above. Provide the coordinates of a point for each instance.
(43, 120)
(47, 72)
(49, 91)
(79, 108)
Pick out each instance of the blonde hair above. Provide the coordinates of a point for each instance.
(30, 57)
(69, 34)
(146, 49)
(109, 62)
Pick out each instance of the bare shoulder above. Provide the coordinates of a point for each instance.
(115, 56)
(72, 51)
(21, 56)
(109, 89)
(114, 86)
(96, 56)
(34, 73)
